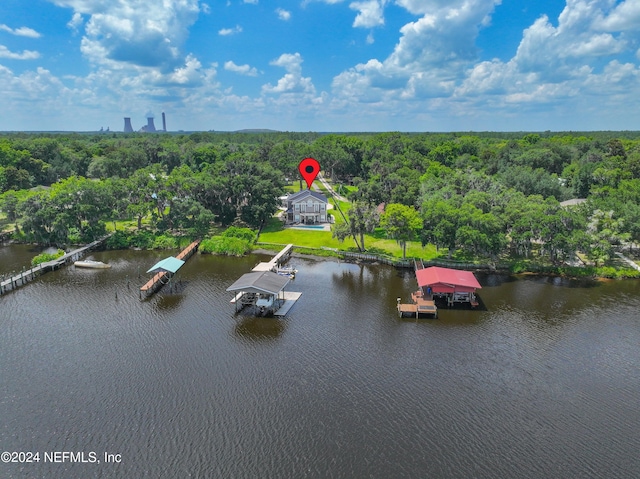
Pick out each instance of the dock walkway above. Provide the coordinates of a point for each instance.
(160, 279)
(15, 281)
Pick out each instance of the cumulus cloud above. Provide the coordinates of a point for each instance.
(25, 55)
(571, 66)
(292, 81)
(230, 31)
(283, 14)
(241, 69)
(76, 22)
(136, 32)
(430, 56)
(21, 31)
(370, 13)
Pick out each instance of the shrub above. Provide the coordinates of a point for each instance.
(230, 246)
(44, 257)
(118, 240)
(242, 233)
(165, 242)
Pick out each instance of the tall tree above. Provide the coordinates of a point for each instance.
(401, 223)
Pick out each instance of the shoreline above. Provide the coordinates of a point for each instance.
(588, 272)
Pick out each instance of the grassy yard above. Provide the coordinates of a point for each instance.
(5, 224)
(275, 233)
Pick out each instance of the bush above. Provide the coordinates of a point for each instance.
(44, 257)
(165, 242)
(242, 233)
(226, 245)
(118, 240)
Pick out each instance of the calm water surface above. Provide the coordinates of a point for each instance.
(543, 382)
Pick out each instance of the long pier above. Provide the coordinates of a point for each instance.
(160, 279)
(276, 261)
(15, 281)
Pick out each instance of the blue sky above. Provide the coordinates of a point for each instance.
(321, 65)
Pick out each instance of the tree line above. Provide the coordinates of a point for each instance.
(487, 194)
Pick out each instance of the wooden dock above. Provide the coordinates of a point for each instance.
(160, 279)
(420, 306)
(17, 280)
(276, 261)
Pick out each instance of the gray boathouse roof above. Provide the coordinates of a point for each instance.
(260, 282)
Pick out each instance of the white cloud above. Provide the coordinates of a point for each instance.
(135, 32)
(430, 56)
(230, 31)
(292, 81)
(240, 69)
(283, 14)
(76, 22)
(25, 55)
(21, 31)
(252, 2)
(370, 13)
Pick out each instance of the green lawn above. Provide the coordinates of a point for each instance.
(5, 224)
(274, 233)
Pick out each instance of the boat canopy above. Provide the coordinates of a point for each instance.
(260, 282)
(167, 265)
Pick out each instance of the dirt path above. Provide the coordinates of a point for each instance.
(330, 188)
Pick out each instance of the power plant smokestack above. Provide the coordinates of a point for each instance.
(164, 122)
(127, 125)
(150, 126)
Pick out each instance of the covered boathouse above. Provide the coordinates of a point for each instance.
(453, 285)
(264, 291)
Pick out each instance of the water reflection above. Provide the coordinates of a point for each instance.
(259, 329)
(167, 302)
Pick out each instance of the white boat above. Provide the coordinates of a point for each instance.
(89, 263)
(287, 271)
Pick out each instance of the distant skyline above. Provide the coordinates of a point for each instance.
(320, 65)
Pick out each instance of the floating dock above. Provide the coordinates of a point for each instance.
(290, 298)
(162, 277)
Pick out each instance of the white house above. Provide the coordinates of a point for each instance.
(307, 207)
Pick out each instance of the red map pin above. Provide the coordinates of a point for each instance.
(309, 169)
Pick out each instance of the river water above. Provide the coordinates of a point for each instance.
(542, 382)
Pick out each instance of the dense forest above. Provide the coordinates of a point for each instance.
(483, 194)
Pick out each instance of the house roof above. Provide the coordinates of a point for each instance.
(167, 265)
(447, 280)
(302, 194)
(260, 282)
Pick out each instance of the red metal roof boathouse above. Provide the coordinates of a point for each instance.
(454, 285)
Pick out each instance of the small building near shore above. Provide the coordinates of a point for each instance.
(454, 285)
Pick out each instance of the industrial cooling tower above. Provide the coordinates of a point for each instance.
(127, 125)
